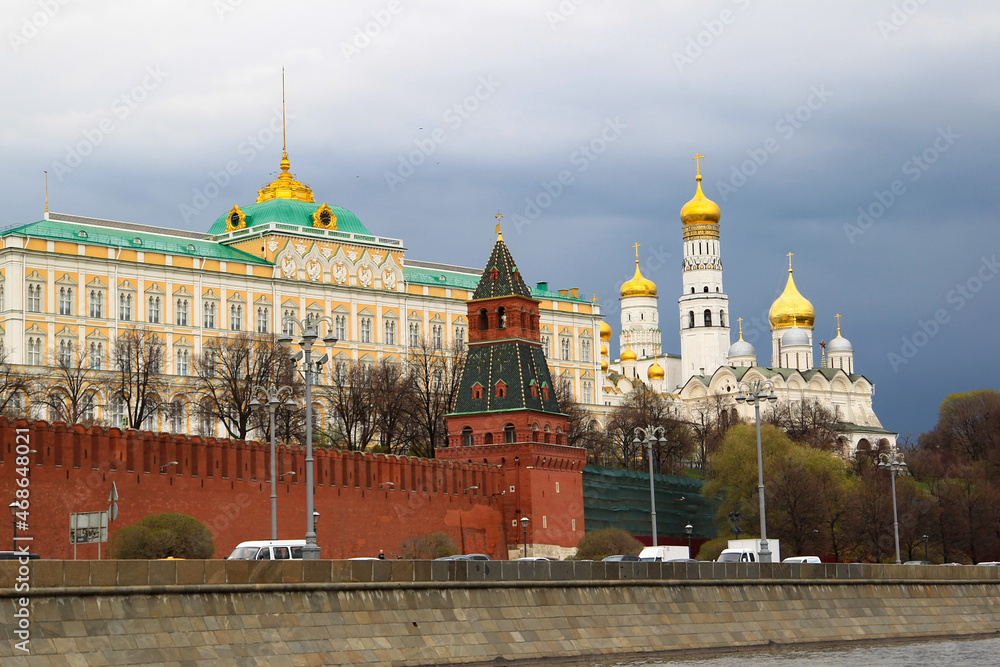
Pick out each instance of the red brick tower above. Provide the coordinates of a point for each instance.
(506, 414)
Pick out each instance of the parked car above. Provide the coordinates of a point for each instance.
(620, 557)
(918, 562)
(268, 550)
(989, 562)
(802, 559)
(534, 558)
(465, 557)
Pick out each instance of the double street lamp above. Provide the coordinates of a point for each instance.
(309, 329)
(524, 526)
(894, 462)
(272, 396)
(649, 436)
(752, 393)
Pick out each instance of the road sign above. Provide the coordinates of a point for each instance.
(112, 511)
(113, 496)
(87, 527)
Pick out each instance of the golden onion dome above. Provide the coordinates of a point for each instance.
(628, 355)
(604, 365)
(605, 334)
(638, 285)
(604, 350)
(655, 371)
(701, 209)
(285, 186)
(791, 309)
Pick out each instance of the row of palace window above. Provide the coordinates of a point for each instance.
(566, 348)
(706, 318)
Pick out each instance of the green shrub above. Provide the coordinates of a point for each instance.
(433, 545)
(597, 544)
(163, 536)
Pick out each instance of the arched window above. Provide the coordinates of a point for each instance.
(722, 318)
(690, 319)
(501, 318)
(708, 318)
(692, 290)
(467, 436)
(484, 320)
(509, 435)
(487, 438)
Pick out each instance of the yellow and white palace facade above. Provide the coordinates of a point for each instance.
(72, 283)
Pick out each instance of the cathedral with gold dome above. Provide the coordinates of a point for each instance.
(710, 367)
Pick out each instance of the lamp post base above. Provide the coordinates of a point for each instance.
(310, 552)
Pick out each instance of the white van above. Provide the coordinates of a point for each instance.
(268, 550)
(802, 559)
(664, 553)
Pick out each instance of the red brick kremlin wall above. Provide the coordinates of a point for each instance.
(225, 484)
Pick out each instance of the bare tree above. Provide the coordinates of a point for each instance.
(228, 370)
(14, 387)
(352, 415)
(805, 421)
(711, 418)
(582, 429)
(71, 400)
(644, 407)
(136, 377)
(392, 390)
(437, 375)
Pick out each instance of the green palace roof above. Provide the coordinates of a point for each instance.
(290, 212)
(115, 234)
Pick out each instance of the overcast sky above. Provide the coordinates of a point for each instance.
(425, 118)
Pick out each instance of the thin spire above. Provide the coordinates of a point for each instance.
(46, 194)
(284, 144)
(838, 322)
(636, 246)
(740, 320)
(790, 262)
(499, 217)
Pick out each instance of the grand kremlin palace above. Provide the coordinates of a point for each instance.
(69, 282)
(75, 283)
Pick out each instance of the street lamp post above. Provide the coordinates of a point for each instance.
(895, 464)
(752, 393)
(272, 399)
(648, 438)
(689, 529)
(309, 329)
(524, 525)
(14, 507)
(926, 559)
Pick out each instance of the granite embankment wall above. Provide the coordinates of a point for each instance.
(430, 613)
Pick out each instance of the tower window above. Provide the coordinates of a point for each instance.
(722, 318)
(501, 317)
(691, 318)
(706, 288)
(708, 318)
(509, 434)
(484, 320)
(692, 290)
(467, 436)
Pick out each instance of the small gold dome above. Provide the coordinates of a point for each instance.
(638, 286)
(604, 350)
(628, 355)
(605, 334)
(701, 209)
(655, 371)
(604, 365)
(285, 186)
(791, 309)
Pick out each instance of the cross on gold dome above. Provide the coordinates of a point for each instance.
(790, 261)
(697, 162)
(636, 246)
(838, 323)
(499, 217)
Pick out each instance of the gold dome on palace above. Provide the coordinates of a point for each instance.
(605, 335)
(638, 285)
(791, 309)
(604, 350)
(604, 365)
(628, 355)
(700, 210)
(285, 186)
(655, 371)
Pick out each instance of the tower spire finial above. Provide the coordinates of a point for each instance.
(499, 217)
(790, 262)
(697, 164)
(284, 143)
(838, 323)
(46, 194)
(740, 320)
(636, 246)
